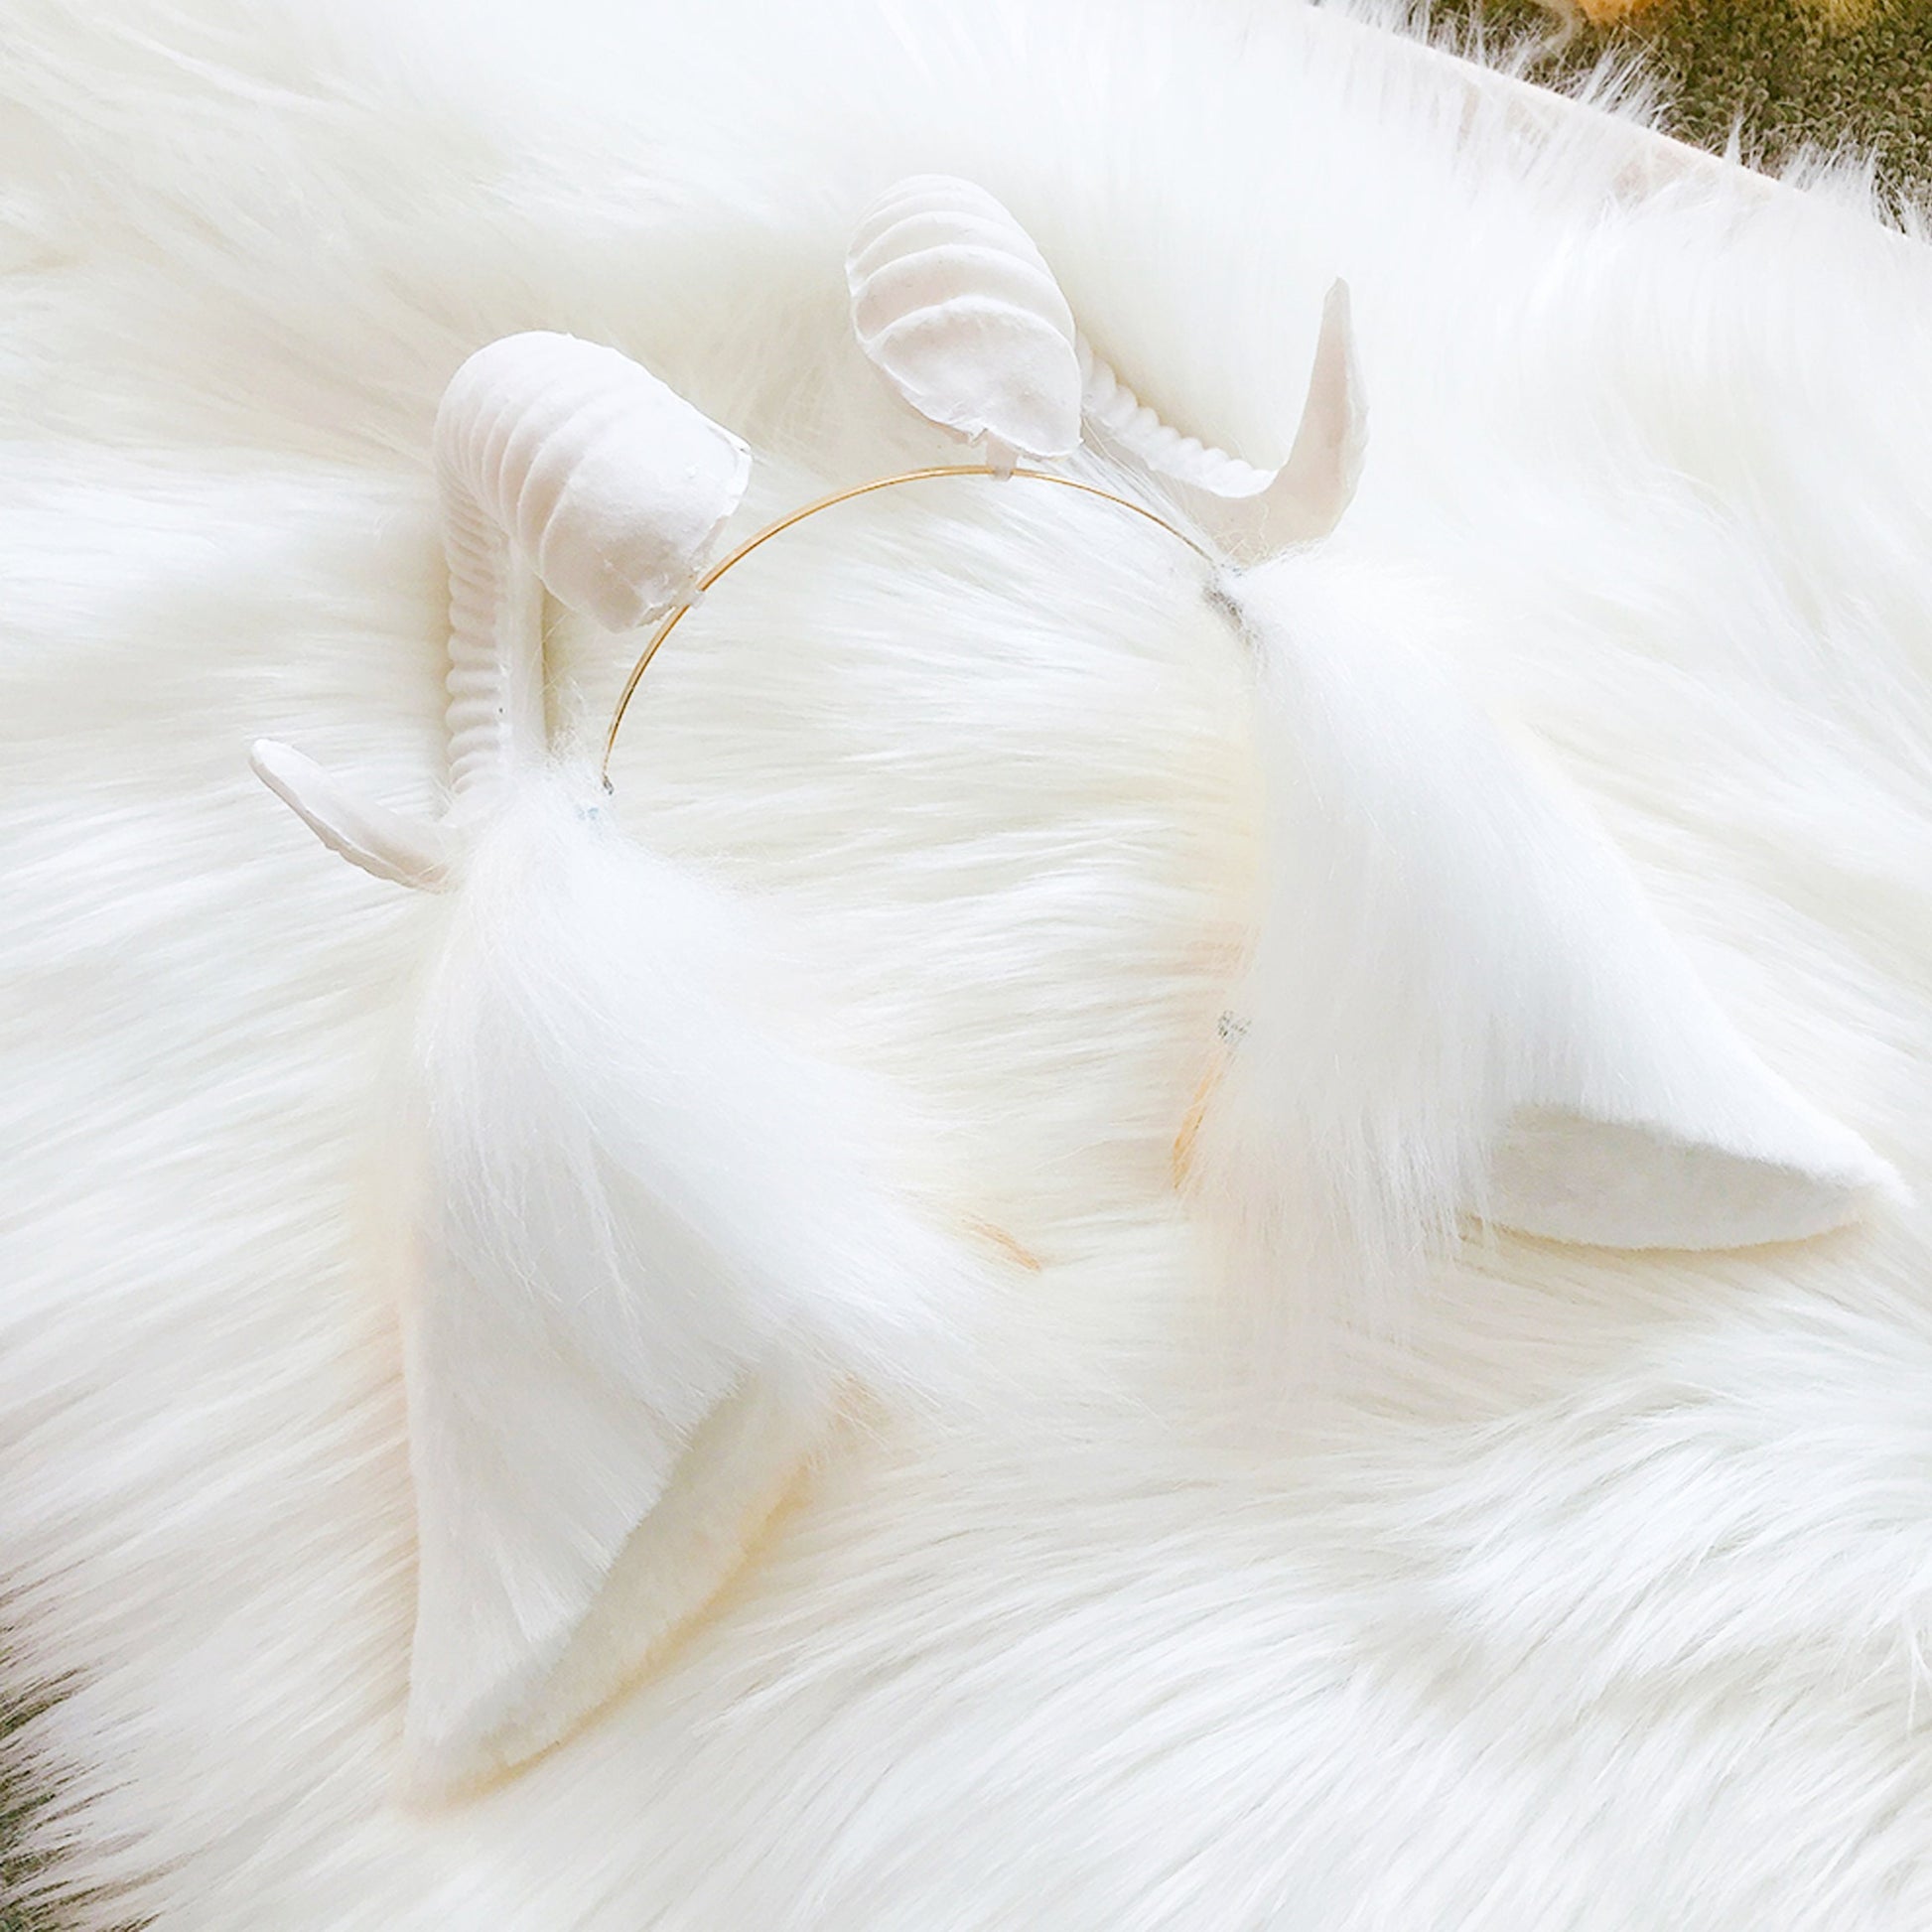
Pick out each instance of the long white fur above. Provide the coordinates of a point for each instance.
(1602, 1605)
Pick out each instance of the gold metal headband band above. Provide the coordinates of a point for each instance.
(837, 497)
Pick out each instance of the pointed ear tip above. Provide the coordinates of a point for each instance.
(1856, 1175)
(1847, 1198)
(428, 1780)
(1843, 1198)
(444, 1764)
(1877, 1187)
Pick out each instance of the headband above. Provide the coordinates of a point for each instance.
(642, 1286)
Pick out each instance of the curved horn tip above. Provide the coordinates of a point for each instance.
(1317, 482)
(380, 842)
(1335, 388)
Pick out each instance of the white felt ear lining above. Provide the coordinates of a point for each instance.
(1460, 999)
(1584, 1177)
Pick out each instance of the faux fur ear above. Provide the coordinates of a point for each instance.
(1460, 999)
(660, 1228)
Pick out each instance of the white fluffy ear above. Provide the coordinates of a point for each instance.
(659, 1230)
(1460, 999)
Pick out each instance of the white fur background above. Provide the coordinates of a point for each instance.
(1603, 1600)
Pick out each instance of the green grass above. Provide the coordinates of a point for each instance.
(1785, 70)
(21, 1795)
(24, 1790)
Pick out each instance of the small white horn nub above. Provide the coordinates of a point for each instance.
(563, 465)
(386, 844)
(1251, 513)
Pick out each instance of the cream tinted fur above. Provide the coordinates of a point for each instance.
(1601, 1604)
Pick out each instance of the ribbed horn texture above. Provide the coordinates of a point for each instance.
(1253, 514)
(562, 466)
(956, 307)
(1125, 421)
(960, 313)
(564, 459)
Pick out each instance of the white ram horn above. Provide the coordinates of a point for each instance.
(1253, 514)
(959, 312)
(562, 465)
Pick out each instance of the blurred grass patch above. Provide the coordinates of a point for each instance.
(22, 1794)
(1829, 74)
